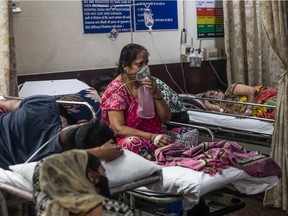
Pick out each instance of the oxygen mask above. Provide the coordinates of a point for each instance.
(143, 73)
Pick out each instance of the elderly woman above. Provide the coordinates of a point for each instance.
(120, 103)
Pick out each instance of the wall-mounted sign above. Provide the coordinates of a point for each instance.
(210, 20)
(101, 16)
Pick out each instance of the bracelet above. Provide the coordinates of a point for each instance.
(158, 98)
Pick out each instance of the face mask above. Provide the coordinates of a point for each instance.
(103, 186)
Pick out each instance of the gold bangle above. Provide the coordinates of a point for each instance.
(158, 98)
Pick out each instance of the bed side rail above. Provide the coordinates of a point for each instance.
(141, 182)
(191, 96)
(91, 109)
(194, 126)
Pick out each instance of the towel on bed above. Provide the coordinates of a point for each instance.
(213, 157)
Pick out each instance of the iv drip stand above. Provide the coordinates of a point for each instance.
(130, 11)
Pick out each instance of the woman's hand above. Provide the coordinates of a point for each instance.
(151, 84)
(161, 139)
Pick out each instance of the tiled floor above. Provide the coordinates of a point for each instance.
(254, 207)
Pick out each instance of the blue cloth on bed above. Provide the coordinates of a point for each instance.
(82, 112)
(24, 131)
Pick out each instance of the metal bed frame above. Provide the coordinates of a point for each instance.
(20, 196)
(162, 204)
(256, 141)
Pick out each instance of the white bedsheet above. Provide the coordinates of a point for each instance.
(250, 125)
(15, 179)
(179, 180)
(193, 184)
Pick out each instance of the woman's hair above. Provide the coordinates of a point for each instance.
(209, 94)
(98, 81)
(128, 55)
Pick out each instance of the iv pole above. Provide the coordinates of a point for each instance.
(130, 11)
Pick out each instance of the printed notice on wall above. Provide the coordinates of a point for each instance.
(102, 16)
(210, 20)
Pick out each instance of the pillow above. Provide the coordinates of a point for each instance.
(25, 169)
(128, 168)
(125, 169)
(14, 179)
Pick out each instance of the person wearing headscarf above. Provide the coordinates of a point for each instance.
(73, 183)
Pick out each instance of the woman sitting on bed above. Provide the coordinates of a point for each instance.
(243, 93)
(119, 104)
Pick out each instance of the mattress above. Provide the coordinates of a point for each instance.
(231, 122)
(192, 184)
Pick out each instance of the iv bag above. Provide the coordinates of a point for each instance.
(148, 19)
(143, 73)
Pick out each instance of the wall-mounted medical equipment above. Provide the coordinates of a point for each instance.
(196, 57)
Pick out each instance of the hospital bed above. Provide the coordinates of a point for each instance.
(177, 183)
(16, 187)
(170, 185)
(251, 132)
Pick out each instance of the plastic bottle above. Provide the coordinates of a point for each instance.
(146, 107)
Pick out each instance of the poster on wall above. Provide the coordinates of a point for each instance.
(210, 20)
(102, 16)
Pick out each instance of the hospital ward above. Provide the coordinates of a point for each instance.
(143, 108)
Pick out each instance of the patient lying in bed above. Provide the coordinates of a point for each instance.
(243, 93)
(31, 130)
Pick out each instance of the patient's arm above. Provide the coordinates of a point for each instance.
(117, 124)
(250, 92)
(107, 152)
(10, 105)
(95, 212)
(212, 107)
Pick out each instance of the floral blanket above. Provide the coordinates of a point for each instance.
(213, 157)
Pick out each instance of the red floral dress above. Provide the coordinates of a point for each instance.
(116, 97)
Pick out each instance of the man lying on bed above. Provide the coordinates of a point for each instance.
(34, 123)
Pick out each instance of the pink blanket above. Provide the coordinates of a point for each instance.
(213, 157)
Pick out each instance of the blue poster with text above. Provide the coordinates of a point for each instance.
(102, 16)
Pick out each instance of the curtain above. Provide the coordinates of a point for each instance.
(246, 45)
(274, 14)
(8, 75)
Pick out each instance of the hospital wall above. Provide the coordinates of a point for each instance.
(51, 44)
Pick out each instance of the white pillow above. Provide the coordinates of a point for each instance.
(14, 179)
(125, 169)
(128, 168)
(25, 169)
